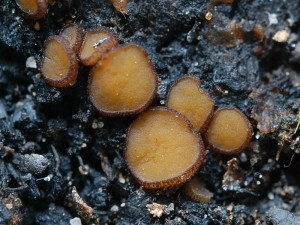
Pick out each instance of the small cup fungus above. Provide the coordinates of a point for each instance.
(120, 6)
(123, 83)
(33, 9)
(222, 1)
(97, 42)
(229, 132)
(162, 149)
(195, 189)
(187, 98)
(74, 34)
(59, 65)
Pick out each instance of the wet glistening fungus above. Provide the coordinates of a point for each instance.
(153, 147)
(37, 9)
(124, 83)
(74, 34)
(186, 97)
(33, 9)
(120, 6)
(162, 149)
(229, 132)
(59, 65)
(97, 42)
(196, 191)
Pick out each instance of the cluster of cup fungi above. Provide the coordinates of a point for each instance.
(37, 9)
(164, 146)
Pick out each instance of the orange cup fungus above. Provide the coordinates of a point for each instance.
(33, 9)
(59, 65)
(97, 42)
(120, 5)
(187, 98)
(163, 146)
(222, 1)
(123, 83)
(74, 34)
(162, 149)
(196, 190)
(229, 132)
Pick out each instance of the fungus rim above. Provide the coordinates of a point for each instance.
(191, 193)
(185, 175)
(42, 6)
(204, 126)
(106, 46)
(120, 6)
(79, 36)
(71, 76)
(234, 151)
(126, 112)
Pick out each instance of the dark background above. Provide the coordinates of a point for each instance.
(52, 140)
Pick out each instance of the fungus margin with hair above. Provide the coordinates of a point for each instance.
(229, 131)
(74, 34)
(162, 149)
(196, 191)
(33, 9)
(188, 98)
(59, 65)
(120, 6)
(123, 83)
(97, 41)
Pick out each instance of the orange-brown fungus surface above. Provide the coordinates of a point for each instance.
(196, 190)
(187, 98)
(96, 43)
(74, 34)
(162, 150)
(258, 32)
(123, 83)
(59, 65)
(120, 5)
(229, 131)
(33, 9)
(222, 1)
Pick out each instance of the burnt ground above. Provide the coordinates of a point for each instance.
(60, 159)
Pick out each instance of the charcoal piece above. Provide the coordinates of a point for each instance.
(32, 163)
(25, 116)
(283, 217)
(3, 113)
(53, 215)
